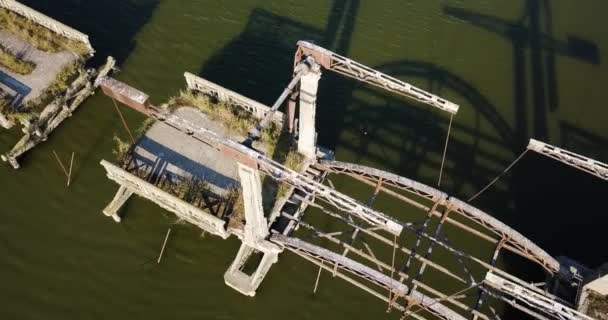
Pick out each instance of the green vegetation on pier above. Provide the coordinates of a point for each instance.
(13, 63)
(234, 118)
(39, 36)
(276, 143)
(58, 87)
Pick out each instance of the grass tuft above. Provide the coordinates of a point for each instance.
(121, 149)
(294, 161)
(144, 127)
(14, 64)
(5, 102)
(39, 36)
(237, 216)
(236, 119)
(598, 307)
(58, 87)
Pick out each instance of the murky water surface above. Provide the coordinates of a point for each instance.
(519, 69)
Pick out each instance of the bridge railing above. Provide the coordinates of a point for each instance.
(47, 22)
(230, 97)
(167, 201)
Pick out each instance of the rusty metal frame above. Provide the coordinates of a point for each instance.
(515, 243)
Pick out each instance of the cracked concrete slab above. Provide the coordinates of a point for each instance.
(48, 65)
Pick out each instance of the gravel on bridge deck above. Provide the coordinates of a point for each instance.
(48, 65)
(168, 151)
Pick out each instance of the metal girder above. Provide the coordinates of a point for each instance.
(385, 266)
(301, 70)
(533, 299)
(306, 249)
(337, 63)
(572, 159)
(389, 179)
(515, 241)
(328, 194)
(299, 246)
(512, 240)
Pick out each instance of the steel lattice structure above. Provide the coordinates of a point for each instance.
(407, 290)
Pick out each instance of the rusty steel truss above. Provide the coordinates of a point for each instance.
(367, 232)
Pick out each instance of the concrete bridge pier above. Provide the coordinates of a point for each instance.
(241, 281)
(118, 202)
(254, 237)
(309, 85)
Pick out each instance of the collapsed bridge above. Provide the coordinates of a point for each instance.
(389, 255)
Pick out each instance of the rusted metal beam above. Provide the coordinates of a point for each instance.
(447, 247)
(275, 170)
(533, 299)
(303, 248)
(345, 66)
(385, 266)
(517, 242)
(570, 158)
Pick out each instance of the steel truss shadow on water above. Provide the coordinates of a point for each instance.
(422, 134)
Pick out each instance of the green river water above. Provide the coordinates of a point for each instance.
(518, 68)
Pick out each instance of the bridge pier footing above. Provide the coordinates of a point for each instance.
(122, 195)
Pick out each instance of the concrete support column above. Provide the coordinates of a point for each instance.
(254, 237)
(248, 284)
(309, 85)
(11, 160)
(256, 226)
(119, 200)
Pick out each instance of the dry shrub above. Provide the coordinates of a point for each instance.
(13, 63)
(40, 37)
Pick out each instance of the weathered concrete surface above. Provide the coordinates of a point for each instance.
(131, 184)
(594, 297)
(309, 86)
(47, 22)
(599, 286)
(48, 65)
(58, 111)
(167, 151)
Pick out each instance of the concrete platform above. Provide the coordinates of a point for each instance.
(28, 87)
(165, 151)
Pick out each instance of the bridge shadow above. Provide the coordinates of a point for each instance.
(179, 175)
(539, 198)
(421, 131)
(14, 89)
(545, 193)
(558, 204)
(169, 164)
(259, 62)
(112, 25)
(532, 42)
